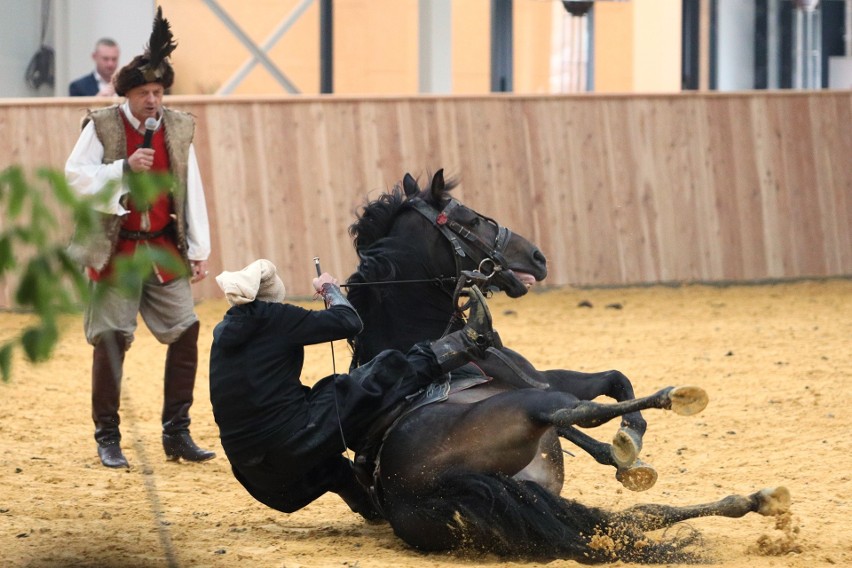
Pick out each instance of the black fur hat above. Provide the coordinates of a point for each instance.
(152, 66)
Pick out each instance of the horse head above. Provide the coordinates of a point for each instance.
(511, 263)
(413, 246)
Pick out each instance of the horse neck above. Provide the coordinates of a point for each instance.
(396, 316)
(405, 314)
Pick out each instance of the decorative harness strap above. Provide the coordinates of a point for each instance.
(469, 242)
(464, 243)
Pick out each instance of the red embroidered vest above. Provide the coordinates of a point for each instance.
(159, 215)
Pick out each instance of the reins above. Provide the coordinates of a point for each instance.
(438, 280)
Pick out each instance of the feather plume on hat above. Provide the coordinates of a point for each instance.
(160, 45)
(153, 65)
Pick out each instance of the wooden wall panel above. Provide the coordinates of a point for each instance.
(615, 189)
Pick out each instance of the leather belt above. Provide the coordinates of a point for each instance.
(143, 235)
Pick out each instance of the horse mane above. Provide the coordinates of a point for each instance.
(376, 217)
(383, 258)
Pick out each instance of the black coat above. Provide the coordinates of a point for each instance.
(255, 366)
(283, 439)
(86, 86)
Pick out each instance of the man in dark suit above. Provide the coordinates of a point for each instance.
(99, 82)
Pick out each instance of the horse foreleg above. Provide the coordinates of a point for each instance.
(686, 401)
(767, 502)
(633, 473)
(589, 386)
(510, 366)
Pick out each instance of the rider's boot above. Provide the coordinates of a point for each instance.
(359, 501)
(470, 342)
(107, 362)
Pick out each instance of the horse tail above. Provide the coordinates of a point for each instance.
(496, 514)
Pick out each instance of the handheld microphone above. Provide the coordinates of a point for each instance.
(150, 126)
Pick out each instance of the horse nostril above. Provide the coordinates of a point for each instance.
(539, 256)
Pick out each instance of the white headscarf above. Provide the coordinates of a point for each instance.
(257, 281)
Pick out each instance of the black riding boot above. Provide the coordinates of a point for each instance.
(470, 342)
(344, 483)
(181, 365)
(107, 363)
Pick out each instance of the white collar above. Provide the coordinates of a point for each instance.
(125, 108)
(101, 81)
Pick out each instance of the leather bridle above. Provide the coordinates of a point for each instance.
(463, 240)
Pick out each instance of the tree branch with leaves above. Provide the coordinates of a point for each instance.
(35, 218)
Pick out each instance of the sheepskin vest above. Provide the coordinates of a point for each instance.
(179, 131)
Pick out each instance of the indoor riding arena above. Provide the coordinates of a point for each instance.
(695, 238)
(690, 241)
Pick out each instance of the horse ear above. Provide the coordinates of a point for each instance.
(409, 184)
(438, 183)
(436, 192)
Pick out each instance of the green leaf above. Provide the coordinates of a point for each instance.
(167, 260)
(17, 194)
(6, 361)
(7, 259)
(34, 287)
(38, 341)
(63, 192)
(130, 273)
(73, 271)
(145, 188)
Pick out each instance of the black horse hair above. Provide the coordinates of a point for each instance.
(476, 514)
(384, 259)
(376, 217)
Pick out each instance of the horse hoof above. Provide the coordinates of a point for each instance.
(687, 401)
(773, 501)
(638, 477)
(624, 449)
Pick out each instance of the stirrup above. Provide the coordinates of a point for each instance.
(481, 332)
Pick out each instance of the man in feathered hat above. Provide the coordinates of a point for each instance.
(109, 147)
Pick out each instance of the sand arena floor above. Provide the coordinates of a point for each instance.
(776, 361)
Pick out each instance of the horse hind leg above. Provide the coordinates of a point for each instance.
(626, 445)
(547, 468)
(638, 476)
(773, 501)
(627, 442)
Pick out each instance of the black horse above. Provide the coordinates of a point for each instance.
(483, 469)
(414, 247)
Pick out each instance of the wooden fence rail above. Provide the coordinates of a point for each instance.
(614, 189)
